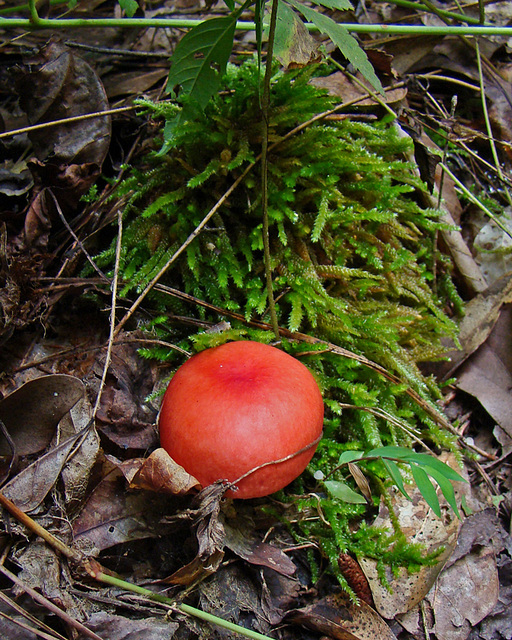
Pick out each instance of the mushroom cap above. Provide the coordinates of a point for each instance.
(232, 408)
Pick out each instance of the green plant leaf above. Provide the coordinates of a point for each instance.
(350, 456)
(200, 59)
(342, 5)
(129, 7)
(396, 476)
(446, 488)
(230, 4)
(293, 42)
(347, 44)
(197, 67)
(402, 453)
(391, 451)
(424, 459)
(343, 492)
(426, 488)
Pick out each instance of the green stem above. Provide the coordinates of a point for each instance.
(34, 16)
(184, 608)
(265, 105)
(419, 6)
(168, 23)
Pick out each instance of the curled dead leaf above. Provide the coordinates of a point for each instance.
(340, 619)
(160, 473)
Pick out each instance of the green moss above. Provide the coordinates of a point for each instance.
(352, 255)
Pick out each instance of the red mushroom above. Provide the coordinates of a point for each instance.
(233, 408)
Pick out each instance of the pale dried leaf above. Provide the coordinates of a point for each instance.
(420, 525)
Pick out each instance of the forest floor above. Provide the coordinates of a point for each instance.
(54, 348)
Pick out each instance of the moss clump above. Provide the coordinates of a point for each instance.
(352, 256)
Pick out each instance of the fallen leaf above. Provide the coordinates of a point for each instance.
(451, 604)
(210, 535)
(338, 84)
(420, 525)
(487, 374)
(124, 416)
(113, 515)
(160, 473)
(339, 618)
(243, 542)
(31, 485)
(32, 412)
(114, 627)
(234, 595)
(56, 83)
(480, 317)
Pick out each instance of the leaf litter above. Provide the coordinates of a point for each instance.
(46, 417)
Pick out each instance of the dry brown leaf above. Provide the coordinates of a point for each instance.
(160, 473)
(340, 85)
(339, 618)
(481, 315)
(113, 515)
(32, 412)
(487, 374)
(31, 486)
(56, 83)
(420, 525)
(242, 541)
(467, 589)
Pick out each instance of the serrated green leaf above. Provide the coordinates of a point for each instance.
(200, 59)
(426, 488)
(347, 44)
(350, 456)
(343, 492)
(446, 488)
(129, 7)
(396, 476)
(342, 5)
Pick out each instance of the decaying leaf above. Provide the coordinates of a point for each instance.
(339, 618)
(116, 627)
(210, 535)
(57, 84)
(420, 525)
(339, 84)
(32, 412)
(113, 515)
(451, 604)
(487, 374)
(240, 540)
(31, 485)
(294, 46)
(160, 473)
(480, 316)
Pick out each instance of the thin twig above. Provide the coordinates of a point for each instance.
(487, 120)
(71, 120)
(35, 595)
(112, 311)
